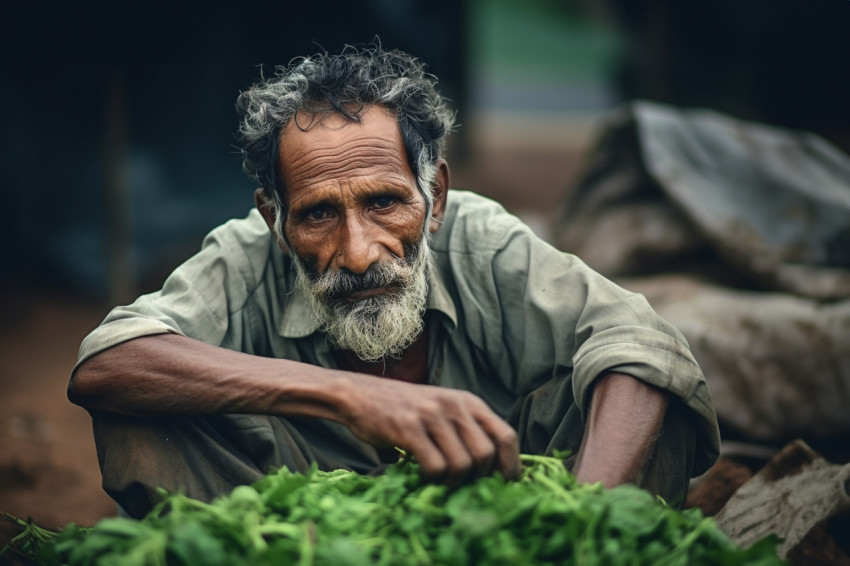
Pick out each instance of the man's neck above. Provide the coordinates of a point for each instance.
(411, 367)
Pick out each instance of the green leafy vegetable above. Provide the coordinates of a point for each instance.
(343, 518)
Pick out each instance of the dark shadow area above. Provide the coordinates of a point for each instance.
(118, 121)
(780, 62)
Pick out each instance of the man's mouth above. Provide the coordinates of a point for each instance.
(363, 294)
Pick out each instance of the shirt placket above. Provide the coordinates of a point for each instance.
(438, 329)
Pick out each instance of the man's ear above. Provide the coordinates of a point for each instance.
(440, 188)
(265, 207)
(267, 210)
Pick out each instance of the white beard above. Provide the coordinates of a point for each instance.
(379, 326)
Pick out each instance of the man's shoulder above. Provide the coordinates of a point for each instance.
(241, 245)
(470, 202)
(248, 229)
(242, 239)
(475, 221)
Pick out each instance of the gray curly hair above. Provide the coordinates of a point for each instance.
(347, 84)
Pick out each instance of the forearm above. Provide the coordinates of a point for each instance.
(169, 374)
(451, 433)
(623, 423)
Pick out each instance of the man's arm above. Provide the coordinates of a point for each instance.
(451, 433)
(623, 423)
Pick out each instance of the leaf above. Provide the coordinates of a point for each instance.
(191, 544)
(342, 518)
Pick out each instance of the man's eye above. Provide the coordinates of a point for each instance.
(383, 202)
(317, 214)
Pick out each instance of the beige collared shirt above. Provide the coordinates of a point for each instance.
(507, 313)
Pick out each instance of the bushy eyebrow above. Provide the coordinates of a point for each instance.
(307, 204)
(330, 197)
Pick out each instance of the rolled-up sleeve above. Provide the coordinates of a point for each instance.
(555, 308)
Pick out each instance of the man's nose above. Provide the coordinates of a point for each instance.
(358, 248)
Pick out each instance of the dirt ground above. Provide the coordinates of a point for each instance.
(48, 466)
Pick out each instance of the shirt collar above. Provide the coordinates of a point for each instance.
(299, 321)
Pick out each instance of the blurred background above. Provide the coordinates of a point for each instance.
(119, 119)
(117, 155)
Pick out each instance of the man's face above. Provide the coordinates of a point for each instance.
(355, 224)
(351, 198)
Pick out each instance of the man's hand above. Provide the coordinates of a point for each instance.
(623, 423)
(451, 433)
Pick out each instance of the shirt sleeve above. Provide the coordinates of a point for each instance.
(199, 298)
(557, 317)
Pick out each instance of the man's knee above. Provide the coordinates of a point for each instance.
(207, 456)
(196, 456)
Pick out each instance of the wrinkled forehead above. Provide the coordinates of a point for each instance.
(323, 147)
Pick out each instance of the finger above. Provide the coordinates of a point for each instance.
(479, 445)
(458, 460)
(506, 443)
(503, 437)
(432, 463)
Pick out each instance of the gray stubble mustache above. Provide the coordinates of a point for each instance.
(335, 285)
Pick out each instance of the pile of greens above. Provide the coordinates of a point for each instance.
(343, 518)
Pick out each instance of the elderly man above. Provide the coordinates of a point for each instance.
(363, 307)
